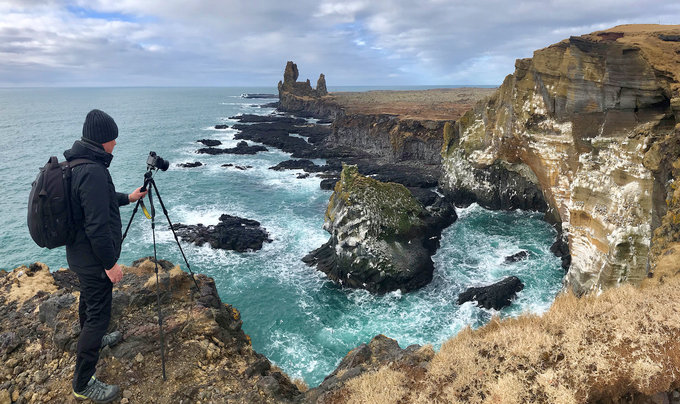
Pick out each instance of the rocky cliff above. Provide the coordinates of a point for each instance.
(209, 357)
(382, 238)
(588, 126)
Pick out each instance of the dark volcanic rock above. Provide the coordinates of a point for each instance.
(241, 148)
(508, 190)
(210, 142)
(561, 249)
(328, 184)
(297, 165)
(251, 118)
(232, 233)
(495, 296)
(221, 126)
(190, 165)
(519, 256)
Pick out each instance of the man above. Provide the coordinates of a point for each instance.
(94, 253)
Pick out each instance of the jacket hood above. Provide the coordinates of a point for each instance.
(85, 149)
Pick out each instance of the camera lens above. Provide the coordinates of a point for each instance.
(162, 164)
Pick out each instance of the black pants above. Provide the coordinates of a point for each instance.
(95, 313)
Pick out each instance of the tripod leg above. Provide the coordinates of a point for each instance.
(158, 283)
(165, 212)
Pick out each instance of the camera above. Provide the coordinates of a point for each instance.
(156, 161)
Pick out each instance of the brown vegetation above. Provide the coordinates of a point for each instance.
(435, 104)
(624, 343)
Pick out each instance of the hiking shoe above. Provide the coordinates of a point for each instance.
(98, 391)
(112, 339)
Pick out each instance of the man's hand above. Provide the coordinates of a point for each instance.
(115, 273)
(137, 194)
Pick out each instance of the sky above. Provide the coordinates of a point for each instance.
(68, 43)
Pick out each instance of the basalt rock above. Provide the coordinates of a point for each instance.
(190, 165)
(382, 238)
(580, 126)
(231, 233)
(241, 148)
(495, 296)
(516, 257)
(251, 118)
(210, 142)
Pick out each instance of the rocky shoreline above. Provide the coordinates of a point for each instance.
(580, 351)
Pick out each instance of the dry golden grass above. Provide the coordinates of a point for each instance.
(434, 104)
(626, 340)
(26, 283)
(381, 387)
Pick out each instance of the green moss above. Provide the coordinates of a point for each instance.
(390, 208)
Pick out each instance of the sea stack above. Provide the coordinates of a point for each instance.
(381, 236)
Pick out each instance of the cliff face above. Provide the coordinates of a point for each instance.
(389, 138)
(584, 121)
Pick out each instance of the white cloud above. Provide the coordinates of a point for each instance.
(201, 42)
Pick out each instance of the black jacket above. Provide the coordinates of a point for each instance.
(95, 205)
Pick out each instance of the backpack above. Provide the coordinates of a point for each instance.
(50, 219)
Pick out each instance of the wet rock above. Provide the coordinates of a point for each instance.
(210, 142)
(495, 296)
(296, 165)
(221, 126)
(241, 148)
(232, 233)
(250, 118)
(328, 184)
(519, 256)
(190, 165)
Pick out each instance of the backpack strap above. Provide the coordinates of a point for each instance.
(77, 162)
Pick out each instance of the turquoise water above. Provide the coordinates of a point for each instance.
(301, 321)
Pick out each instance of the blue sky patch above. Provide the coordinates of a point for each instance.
(89, 13)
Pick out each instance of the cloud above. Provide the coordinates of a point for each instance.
(380, 42)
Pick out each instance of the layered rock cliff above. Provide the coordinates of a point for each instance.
(581, 125)
(382, 238)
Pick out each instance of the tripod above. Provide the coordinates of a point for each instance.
(150, 184)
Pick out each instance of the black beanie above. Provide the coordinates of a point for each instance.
(99, 127)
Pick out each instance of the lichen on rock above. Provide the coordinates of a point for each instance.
(382, 238)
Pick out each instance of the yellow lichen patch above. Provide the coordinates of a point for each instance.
(26, 283)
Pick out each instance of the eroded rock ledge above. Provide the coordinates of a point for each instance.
(382, 238)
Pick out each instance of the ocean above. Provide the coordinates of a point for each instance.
(301, 321)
